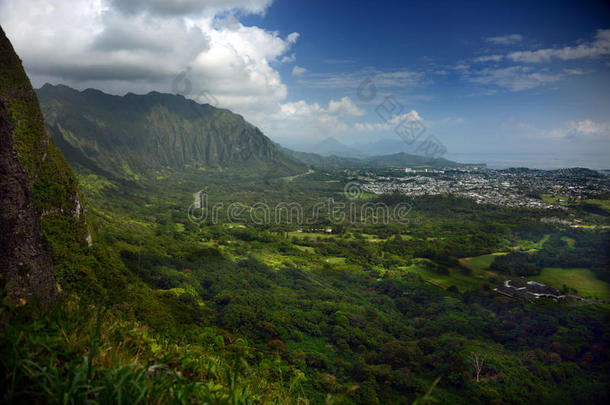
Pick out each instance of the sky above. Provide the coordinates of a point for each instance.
(504, 78)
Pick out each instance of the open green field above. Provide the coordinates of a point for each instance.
(456, 277)
(562, 200)
(307, 249)
(554, 199)
(315, 235)
(583, 280)
(335, 260)
(480, 263)
(603, 204)
(375, 238)
(461, 281)
(311, 235)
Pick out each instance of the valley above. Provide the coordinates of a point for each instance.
(188, 258)
(323, 296)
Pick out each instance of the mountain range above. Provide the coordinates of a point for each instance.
(331, 146)
(139, 136)
(135, 136)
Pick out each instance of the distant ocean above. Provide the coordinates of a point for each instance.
(545, 161)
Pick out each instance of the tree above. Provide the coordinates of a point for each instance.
(478, 360)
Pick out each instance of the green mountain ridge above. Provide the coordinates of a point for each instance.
(135, 136)
(48, 185)
(400, 159)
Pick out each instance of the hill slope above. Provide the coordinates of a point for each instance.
(37, 186)
(136, 136)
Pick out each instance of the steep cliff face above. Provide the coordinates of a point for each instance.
(25, 260)
(35, 179)
(136, 135)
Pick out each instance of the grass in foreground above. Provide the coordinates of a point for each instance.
(76, 354)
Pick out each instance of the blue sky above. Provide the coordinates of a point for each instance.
(473, 105)
(484, 77)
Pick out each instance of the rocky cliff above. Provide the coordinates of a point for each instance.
(25, 259)
(40, 194)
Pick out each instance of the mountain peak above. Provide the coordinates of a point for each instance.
(133, 136)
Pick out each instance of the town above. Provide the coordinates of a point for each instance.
(528, 188)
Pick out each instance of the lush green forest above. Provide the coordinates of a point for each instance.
(354, 315)
(161, 304)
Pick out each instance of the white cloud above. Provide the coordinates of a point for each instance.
(178, 46)
(600, 46)
(576, 72)
(349, 80)
(389, 124)
(581, 129)
(289, 58)
(137, 46)
(505, 39)
(298, 70)
(522, 75)
(514, 78)
(190, 7)
(292, 38)
(489, 58)
(446, 121)
(302, 120)
(345, 106)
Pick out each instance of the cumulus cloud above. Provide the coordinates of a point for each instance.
(505, 39)
(292, 38)
(298, 70)
(389, 124)
(189, 7)
(138, 46)
(180, 46)
(600, 46)
(345, 106)
(121, 46)
(303, 120)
